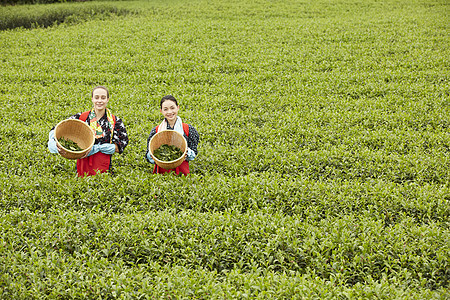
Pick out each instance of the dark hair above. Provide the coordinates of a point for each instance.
(100, 87)
(168, 97)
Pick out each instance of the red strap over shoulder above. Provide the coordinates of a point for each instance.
(83, 116)
(186, 129)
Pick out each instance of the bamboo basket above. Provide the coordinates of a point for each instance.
(169, 137)
(77, 131)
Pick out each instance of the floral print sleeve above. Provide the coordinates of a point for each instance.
(193, 139)
(120, 136)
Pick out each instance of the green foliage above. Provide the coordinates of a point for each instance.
(323, 167)
(338, 251)
(22, 2)
(32, 16)
(69, 144)
(168, 152)
(19, 2)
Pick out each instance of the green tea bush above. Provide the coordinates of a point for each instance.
(32, 16)
(348, 249)
(323, 162)
(19, 2)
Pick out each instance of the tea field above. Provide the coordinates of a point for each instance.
(324, 162)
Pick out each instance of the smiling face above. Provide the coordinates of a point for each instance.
(100, 99)
(169, 109)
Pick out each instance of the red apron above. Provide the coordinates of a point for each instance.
(98, 162)
(183, 168)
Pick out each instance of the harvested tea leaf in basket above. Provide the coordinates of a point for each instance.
(167, 152)
(69, 144)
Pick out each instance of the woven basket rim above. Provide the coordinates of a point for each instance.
(165, 161)
(71, 152)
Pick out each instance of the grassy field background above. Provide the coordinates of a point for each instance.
(323, 168)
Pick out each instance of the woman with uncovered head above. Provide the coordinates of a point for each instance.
(169, 109)
(109, 131)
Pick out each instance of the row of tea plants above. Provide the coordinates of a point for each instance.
(323, 168)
